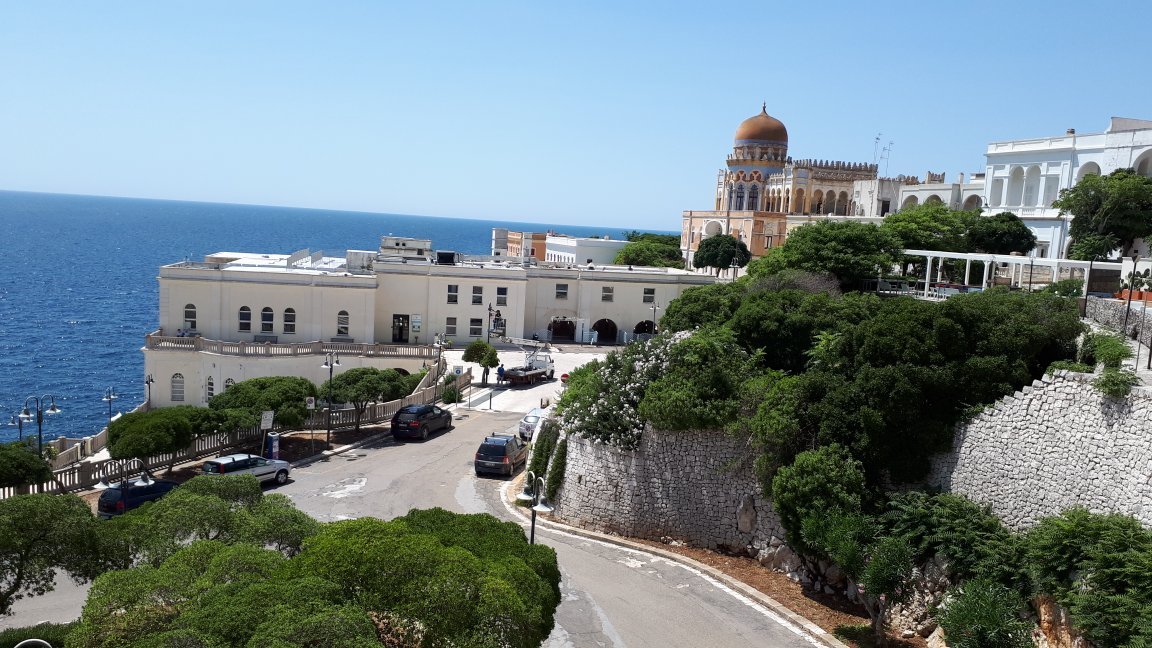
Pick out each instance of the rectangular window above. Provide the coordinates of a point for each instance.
(606, 293)
(289, 320)
(190, 317)
(561, 291)
(342, 324)
(475, 327)
(267, 320)
(453, 293)
(477, 295)
(649, 295)
(450, 326)
(501, 296)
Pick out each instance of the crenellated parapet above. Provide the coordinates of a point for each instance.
(836, 170)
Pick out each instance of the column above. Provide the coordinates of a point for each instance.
(927, 277)
(967, 271)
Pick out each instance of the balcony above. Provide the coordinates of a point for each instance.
(156, 342)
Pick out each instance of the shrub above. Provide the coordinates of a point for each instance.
(542, 449)
(53, 633)
(1068, 365)
(556, 470)
(450, 395)
(1066, 287)
(819, 482)
(1109, 349)
(985, 613)
(1116, 383)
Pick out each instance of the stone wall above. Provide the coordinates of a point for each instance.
(1109, 313)
(693, 487)
(1051, 446)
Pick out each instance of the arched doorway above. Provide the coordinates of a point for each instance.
(562, 329)
(972, 202)
(605, 331)
(910, 202)
(402, 372)
(645, 327)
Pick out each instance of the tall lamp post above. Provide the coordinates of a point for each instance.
(331, 361)
(148, 398)
(19, 423)
(654, 307)
(44, 405)
(534, 492)
(110, 395)
(122, 469)
(1131, 289)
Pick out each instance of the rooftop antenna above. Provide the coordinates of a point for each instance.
(885, 154)
(875, 147)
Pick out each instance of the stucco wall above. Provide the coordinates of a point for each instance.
(1053, 446)
(688, 486)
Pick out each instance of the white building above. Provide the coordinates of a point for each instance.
(236, 316)
(1025, 176)
(580, 250)
(936, 190)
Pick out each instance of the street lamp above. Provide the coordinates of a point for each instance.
(331, 361)
(38, 414)
(110, 395)
(122, 466)
(654, 307)
(19, 423)
(534, 492)
(148, 385)
(1131, 289)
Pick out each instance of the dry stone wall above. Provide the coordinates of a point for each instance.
(693, 487)
(1052, 446)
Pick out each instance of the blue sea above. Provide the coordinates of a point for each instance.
(78, 287)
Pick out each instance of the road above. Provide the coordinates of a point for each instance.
(612, 596)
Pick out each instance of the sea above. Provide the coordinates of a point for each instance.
(78, 284)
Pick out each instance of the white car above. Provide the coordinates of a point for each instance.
(246, 464)
(532, 422)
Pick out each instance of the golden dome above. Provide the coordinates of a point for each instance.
(762, 128)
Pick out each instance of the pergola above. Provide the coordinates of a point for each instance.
(1017, 264)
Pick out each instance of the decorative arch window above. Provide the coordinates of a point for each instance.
(266, 320)
(228, 382)
(190, 316)
(739, 198)
(342, 324)
(178, 388)
(289, 320)
(210, 388)
(244, 319)
(754, 198)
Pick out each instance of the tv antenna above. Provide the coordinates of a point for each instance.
(885, 153)
(875, 146)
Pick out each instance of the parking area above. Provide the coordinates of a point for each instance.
(519, 398)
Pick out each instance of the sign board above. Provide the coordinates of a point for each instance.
(457, 369)
(564, 378)
(273, 446)
(310, 402)
(416, 322)
(266, 419)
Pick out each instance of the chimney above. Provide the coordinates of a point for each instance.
(961, 176)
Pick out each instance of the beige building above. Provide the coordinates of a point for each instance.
(235, 316)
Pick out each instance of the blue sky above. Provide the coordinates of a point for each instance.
(597, 113)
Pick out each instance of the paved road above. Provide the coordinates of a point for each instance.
(612, 596)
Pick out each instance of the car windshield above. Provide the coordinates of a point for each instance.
(492, 449)
(211, 468)
(531, 419)
(408, 416)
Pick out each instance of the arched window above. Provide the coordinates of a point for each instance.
(228, 382)
(342, 324)
(210, 388)
(245, 319)
(289, 320)
(739, 198)
(190, 317)
(178, 388)
(754, 198)
(266, 318)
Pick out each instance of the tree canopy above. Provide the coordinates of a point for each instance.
(851, 251)
(648, 253)
(1002, 233)
(285, 395)
(20, 465)
(1117, 205)
(483, 354)
(364, 385)
(720, 252)
(930, 227)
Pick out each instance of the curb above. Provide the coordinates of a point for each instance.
(813, 631)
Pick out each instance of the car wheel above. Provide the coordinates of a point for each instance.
(282, 477)
(551, 375)
(424, 433)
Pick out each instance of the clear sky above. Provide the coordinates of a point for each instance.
(598, 113)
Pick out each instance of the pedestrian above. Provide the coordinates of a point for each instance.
(179, 332)
(500, 374)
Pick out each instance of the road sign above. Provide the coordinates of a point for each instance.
(266, 419)
(310, 402)
(457, 369)
(564, 378)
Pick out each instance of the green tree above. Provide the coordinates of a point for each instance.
(703, 305)
(853, 252)
(985, 614)
(930, 227)
(649, 237)
(19, 465)
(818, 483)
(720, 252)
(483, 354)
(1118, 205)
(39, 536)
(1002, 233)
(645, 253)
(285, 395)
(144, 434)
(364, 385)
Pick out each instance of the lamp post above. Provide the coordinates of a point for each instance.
(331, 361)
(110, 395)
(44, 405)
(654, 307)
(19, 423)
(1131, 289)
(148, 398)
(122, 469)
(534, 492)
(1031, 262)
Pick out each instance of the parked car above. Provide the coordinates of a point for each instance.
(127, 495)
(501, 454)
(417, 421)
(531, 423)
(246, 464)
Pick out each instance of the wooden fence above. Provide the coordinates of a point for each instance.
(86, 474)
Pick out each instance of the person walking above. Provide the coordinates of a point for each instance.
(500, 374)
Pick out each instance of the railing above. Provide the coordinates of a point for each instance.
(157, 342)
(86, 474)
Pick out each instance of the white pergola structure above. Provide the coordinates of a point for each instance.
(1018, 265)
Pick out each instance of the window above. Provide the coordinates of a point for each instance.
(561, 291)
(342, 324)
(245, 318)
(453, 293)
(649, 295)
(606, 293)
(289, 320)
(190, 316)
(475, 327)
(228, 382)
(266, 318)
(178, 388)
(753, 198)
(501, 296)
(210, 388)
(477, 295)
(450, 326)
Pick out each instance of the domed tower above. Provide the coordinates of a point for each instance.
(760, 149)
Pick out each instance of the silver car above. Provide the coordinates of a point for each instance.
(246, 464)
(530, 424)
